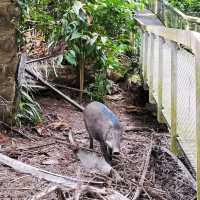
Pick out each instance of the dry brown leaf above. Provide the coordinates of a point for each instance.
(3, 138)
(60, 125)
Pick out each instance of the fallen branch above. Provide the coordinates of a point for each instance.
(55, 90)
(42, 174)
(69, 88)
(66, 181)
(141, 182)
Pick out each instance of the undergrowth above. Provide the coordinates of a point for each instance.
(94, 33)
(190, 7)
(29, 111)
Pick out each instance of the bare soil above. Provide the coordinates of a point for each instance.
(48, 149)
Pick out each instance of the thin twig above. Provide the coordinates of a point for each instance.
(16, 188)
(142, 179)
(69, 88)
(15, 130)
(40, 59)
(29, 147)
(147, 194)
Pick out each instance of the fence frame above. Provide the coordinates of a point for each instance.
(190, 40)
(166, 11)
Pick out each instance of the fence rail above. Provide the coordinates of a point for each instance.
(172, 17)
(170, 61)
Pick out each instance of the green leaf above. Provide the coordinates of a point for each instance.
(79, 11)
(75, 35)
(94, 39)
(77, 6)
(104, 39)
(71, 57)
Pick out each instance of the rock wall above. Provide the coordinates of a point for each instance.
(8, 58)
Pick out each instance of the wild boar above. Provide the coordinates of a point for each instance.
(104, 126)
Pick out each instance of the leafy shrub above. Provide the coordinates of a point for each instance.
(99, 88)
(29, 110)
(95, 32)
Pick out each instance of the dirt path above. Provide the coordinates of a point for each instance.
(49, 150)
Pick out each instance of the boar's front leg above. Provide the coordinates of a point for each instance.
(105, 152)
(91, 141)
(109, 152)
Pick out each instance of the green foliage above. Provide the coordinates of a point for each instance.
(70, 56)
(96, 32)
(112, 17)
(187, 6)
(100, 87)
(29, 110)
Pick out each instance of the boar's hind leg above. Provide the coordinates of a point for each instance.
(105, 152)
(90, 136)
(91, 141)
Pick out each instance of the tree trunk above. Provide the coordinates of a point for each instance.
(8, 58)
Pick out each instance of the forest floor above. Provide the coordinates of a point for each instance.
(49, 148)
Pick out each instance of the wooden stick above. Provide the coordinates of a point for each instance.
(39, 59)
(69, 88)
(71, 139)
(141, 182)
(55, 90)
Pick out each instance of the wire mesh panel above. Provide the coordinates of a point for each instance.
(186, 103)
(166, 84)
(155, 68)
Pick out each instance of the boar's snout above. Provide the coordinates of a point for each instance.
(116, 151)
